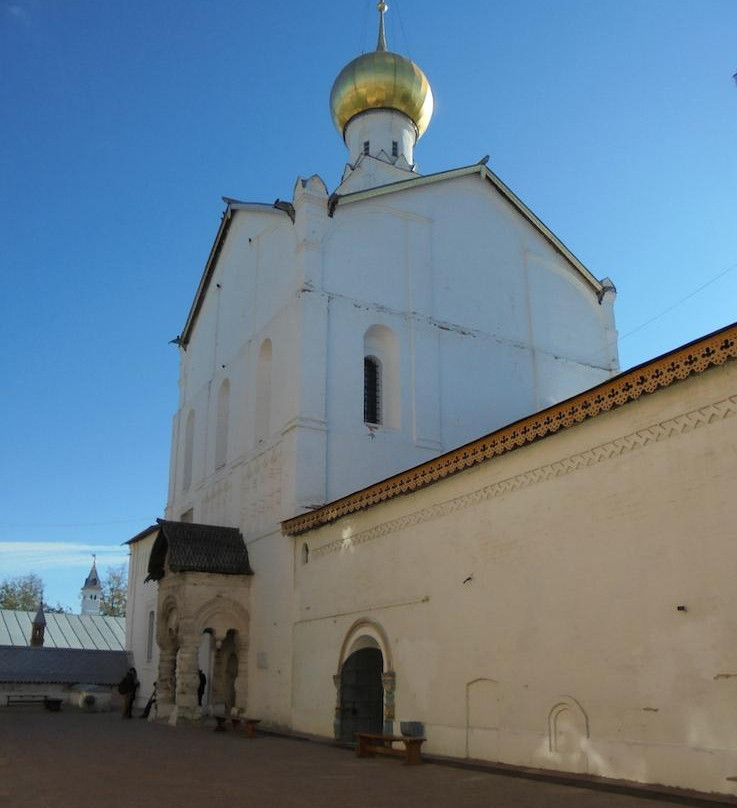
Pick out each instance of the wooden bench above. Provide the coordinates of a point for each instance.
(374, 743)
(51, 704)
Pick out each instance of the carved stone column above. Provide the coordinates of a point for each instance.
(165, 681)
(187, 675)
(389, 682)
(241, 682)
(336, 716)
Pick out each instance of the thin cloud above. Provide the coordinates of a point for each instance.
(22, 557)
(17, 12)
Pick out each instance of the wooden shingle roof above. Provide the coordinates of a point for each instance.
(190, 547)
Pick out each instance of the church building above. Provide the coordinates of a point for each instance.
(330, 557)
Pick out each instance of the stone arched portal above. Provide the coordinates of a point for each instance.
(365, 682)
(361, 695)
(227, 622)
(204, 585)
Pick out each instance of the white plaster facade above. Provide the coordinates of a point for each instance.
(476, 317)
(565, 605)
(140, 619)
(568, 605)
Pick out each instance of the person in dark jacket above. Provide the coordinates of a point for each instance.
(151, 703)
(201, 686)
(127, 689)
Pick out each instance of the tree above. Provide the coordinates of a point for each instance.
(114, 596)
(24, 593)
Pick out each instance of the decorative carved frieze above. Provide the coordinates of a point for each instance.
(679, 425)
(261, 490)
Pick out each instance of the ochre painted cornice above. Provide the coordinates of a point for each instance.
(693, 358)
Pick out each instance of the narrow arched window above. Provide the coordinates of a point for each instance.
(305, 554)
(263, 392)
(371, 390)
(382, 399)
(221, 430)
(150, 638)
(188, 451)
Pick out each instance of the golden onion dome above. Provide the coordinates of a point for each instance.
(381, 80)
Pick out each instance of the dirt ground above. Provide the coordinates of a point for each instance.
(72, 759)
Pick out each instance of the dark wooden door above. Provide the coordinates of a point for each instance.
(361, 694)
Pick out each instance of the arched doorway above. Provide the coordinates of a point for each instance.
(205, 657)
(361, 694)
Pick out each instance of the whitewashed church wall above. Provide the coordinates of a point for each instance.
(358, 454)
(253, 303)
(470, 362)
(443, 268)
(270, 658)
(255, 273)
(141, 602)
(478, 244)
(532, 603)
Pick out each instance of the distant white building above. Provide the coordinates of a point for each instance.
(91, 593)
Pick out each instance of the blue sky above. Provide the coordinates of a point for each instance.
(123, 124)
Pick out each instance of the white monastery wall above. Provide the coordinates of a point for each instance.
(530, 604)
(138, 621)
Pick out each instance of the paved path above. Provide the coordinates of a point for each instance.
(73, 759)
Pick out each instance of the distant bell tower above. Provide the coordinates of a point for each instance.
(91, 591)
(38, 627)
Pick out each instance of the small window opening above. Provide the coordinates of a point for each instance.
(365, 146)
(395, 148)
(305, 554)
(371, 390)
(150, 638)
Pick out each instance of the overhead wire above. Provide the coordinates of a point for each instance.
(408, 49)
(678, 302)
(74, 524)
(363, 27)
(663, 312)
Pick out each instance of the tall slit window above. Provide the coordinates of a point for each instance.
(371, 390)
(382, 401)
(366, 146)
(188, 450)
(150, 638)
(221, 428)
(395, 148)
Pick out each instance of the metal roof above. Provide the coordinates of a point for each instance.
(91, 632)
(61, 665)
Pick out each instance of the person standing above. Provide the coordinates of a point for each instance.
(127, 689)
(201, 686)
(151, 703)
